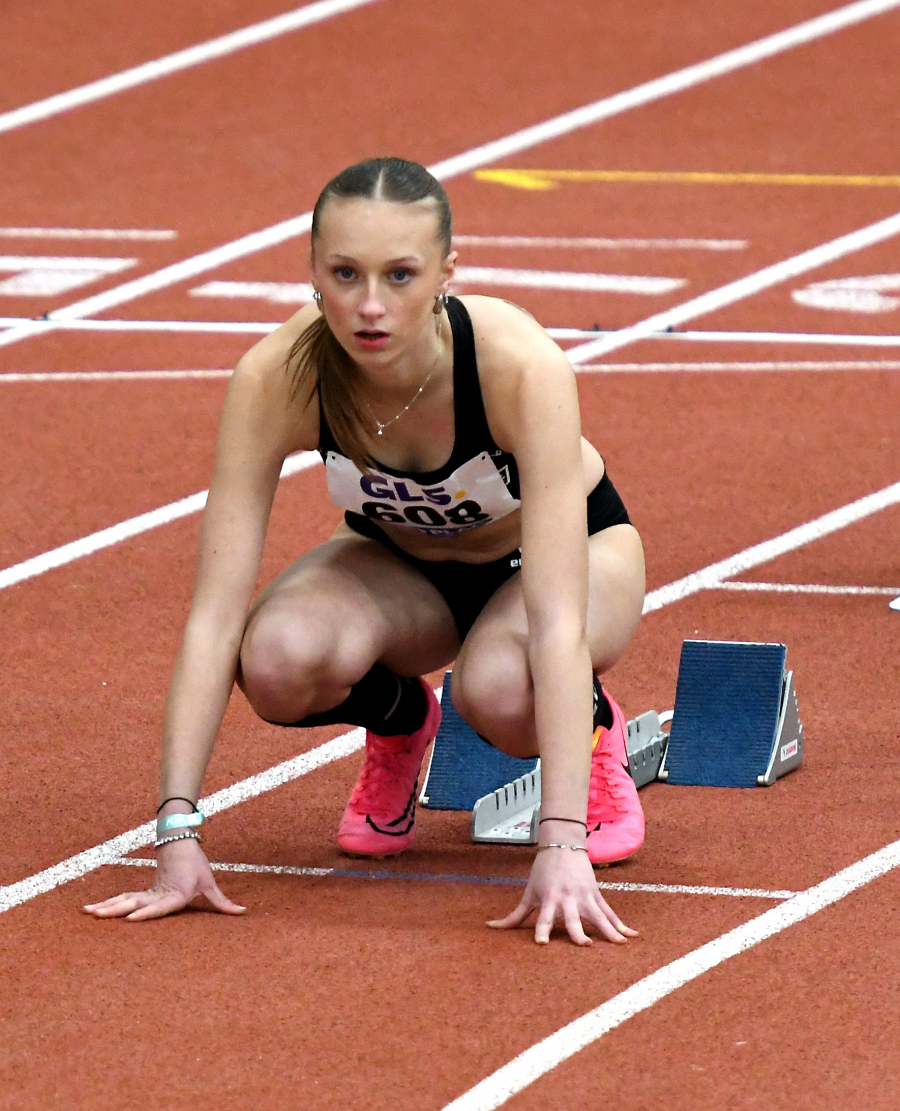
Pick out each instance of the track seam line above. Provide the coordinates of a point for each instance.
(75, 866)
(545, 1055)
(728, 62)
(202, 52)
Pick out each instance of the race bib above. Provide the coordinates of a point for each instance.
(471, 496)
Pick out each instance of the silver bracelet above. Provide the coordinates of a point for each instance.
(188, 835)
(558, 845)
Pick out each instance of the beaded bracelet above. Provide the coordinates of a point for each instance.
(557, 845)
(187, 835)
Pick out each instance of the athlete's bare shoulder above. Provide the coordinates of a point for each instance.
(508, 338)
(270, 355)
(263, 385)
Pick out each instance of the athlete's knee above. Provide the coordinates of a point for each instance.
(493, 690)
(290, 661)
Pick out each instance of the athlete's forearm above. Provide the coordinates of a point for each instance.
(202, 682)
(563, 698)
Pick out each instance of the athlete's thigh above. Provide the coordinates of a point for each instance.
(358, 587)
(615, 601)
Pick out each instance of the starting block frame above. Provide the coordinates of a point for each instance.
(738, 706)
(510, 815)
(728, 691)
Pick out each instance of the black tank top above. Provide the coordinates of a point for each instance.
(478, 483)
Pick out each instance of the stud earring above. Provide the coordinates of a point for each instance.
(317, 297)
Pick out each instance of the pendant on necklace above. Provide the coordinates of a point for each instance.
(380, 431)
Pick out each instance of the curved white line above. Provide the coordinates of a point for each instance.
(535, 1062)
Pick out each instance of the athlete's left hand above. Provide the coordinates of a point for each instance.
(562, 885)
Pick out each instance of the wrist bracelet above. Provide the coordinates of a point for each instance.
(179, 821)
(188, 835)
(557, 845)
(574, 821)
(177, 798)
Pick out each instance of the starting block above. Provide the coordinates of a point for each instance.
(736, 721)
(503, 792)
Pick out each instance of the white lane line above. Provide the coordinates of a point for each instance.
(690, 889)
(438, 877)
(539, 1059)
(124, 530)
(172, 63)
(263, 327)
(565, 279)
(112, 375)
(607, 107)
(805, 588)
(84, 862)
(280, 293)
(740, 289)
(663, 368)
(238, 327)
(15, 894)
(88, 233)
(598, 243)
(46, 275)
(840, 339)
(828, 523)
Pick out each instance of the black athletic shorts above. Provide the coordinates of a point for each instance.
(466, 587)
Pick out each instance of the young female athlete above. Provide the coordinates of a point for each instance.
(479, 527)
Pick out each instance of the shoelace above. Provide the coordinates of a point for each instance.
(381, 774)
(605, 793)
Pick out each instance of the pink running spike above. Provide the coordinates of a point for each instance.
(380, 817)
(615, 819)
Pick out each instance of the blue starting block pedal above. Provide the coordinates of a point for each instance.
(463, 767)
(736, 721)
(504, 793)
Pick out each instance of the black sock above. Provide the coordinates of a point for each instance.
(387, 704)
(603, 714)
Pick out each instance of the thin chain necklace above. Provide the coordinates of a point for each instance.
(382, 425)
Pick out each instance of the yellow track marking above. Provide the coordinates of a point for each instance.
(551, 179)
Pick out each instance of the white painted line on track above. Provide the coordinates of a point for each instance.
(664, 368)
(604, 368)
(541, 1058)
(828, 523)
(225, 327)
(728, 62)
(279, 293)
(598, 243)
(88, 233)
(438, 877)
(107, 537)
(112, 375)
(565, 279)
(172, 63)
(839, 339)
(263, 327)
(15, 894)
(738, 290)
(78, 865)
(805, 588)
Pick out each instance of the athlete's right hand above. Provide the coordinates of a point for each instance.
(182, 873)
